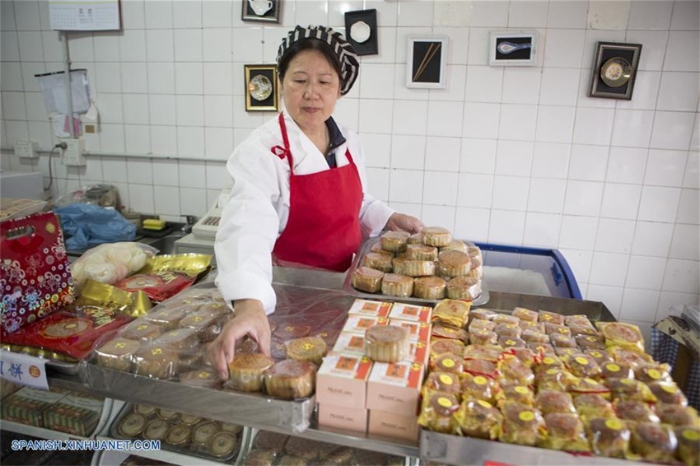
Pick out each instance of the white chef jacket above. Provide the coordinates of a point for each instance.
(258, 209)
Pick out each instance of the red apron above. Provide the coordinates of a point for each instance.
(323, 228)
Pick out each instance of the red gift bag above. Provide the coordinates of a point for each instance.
(35, 277)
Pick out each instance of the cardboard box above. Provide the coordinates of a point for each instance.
(395, 387)
(27, 405)
(350, 343)
(410, 312)
(366, 307)
(417, 331)
(393, 425)
(343, 417)
(342, 380)
(74, 414)
(418, 353)
(358, 323)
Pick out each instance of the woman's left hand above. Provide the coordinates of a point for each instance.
(403, 222)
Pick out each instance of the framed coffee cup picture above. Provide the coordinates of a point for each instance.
(614, 70)
(261, 10)
(261, 88)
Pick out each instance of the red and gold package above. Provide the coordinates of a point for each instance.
(66, 335)
(452, 312)
(165, 276)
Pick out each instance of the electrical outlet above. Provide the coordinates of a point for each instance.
(27, 149)
(74, 155)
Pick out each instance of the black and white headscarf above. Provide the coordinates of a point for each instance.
(349, 66)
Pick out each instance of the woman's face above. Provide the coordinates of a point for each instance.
(310, 90)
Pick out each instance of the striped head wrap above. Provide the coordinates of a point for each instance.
(349, 66)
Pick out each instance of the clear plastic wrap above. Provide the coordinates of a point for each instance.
(522, 424)
(308, 349)
(524, 314)
(478, 419)
(677, 415)
(290, 379)
(635, 411)
(592, 405)
(564, 432)
(437, 412)
(609, 437)
(623, 335)
(550, 317)
(443, 382)
(551, 401)
(654, 441)
(479, 387)
(110, 262)
(688, 450)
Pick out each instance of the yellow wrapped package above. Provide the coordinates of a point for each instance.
(478, 419)
(621, 334)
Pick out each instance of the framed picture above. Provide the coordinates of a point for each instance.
(261, 88)
(426, 60)
(614, 70)
(513, 48)
(261, 10)
(361, 31)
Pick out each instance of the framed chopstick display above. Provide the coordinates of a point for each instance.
(261, 88)
(426, 61)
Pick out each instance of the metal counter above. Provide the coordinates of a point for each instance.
(298, 417)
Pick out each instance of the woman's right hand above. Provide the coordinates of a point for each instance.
(251, 320)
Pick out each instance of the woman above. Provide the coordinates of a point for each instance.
(298, 192)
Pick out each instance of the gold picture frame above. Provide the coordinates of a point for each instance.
(261, 88)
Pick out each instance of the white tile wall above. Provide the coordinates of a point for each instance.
(517, 155)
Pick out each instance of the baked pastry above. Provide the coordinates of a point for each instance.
(167, 414)
(437, 412)
(478, 419)
(688, 449)
(654, 442)
(479, 387)
(565, 432)
(260, 458)
(416, 238)
(386, 343)
(457, 245)
(436, 236)
(429, 287)
(482, 324)
(520, 393)
(292, 331)
(307, 349)
(208, 326)
(291, 460)
(609, 437)
(454, 263)
(421, 252)
(271, 441)
(141, 329)
(169, 317)
(677, 415)
(117, 354)
(156, 429)
(589, 342)
(204, 432)
(179, 339)
(230, 427)
(463, 288)
(508, 330)
(525, 314)
(483, 337)
(189, 419)
(205, 377)
(622, 334)
(223, 444)
(132, 425)
(446, 345)
(146, 410)
(551, 401)
(593, 405)
(157, 361)
(377, 247)
(418, 268)
(246, 372)
(291, 379)
(522, 424)
(306, 449)
(398, 265)
(634, 410)
(394, 241)
(440, 330)
(447, 362)
(367, 279)
(397, 285)
(506, 319)
(378, 261)
(179, 435)
(550, 317)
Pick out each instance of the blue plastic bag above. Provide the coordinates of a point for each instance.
(87, 225)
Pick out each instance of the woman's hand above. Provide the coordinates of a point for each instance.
(250, 320)
(403, 222)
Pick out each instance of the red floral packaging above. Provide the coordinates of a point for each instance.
(165, 276)
(66, 335)
(35, 278)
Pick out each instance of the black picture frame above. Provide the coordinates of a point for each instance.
(266, 11)
(261, 98)
(508, 48)
(356, 18)
(426, 62)
(614, 70)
